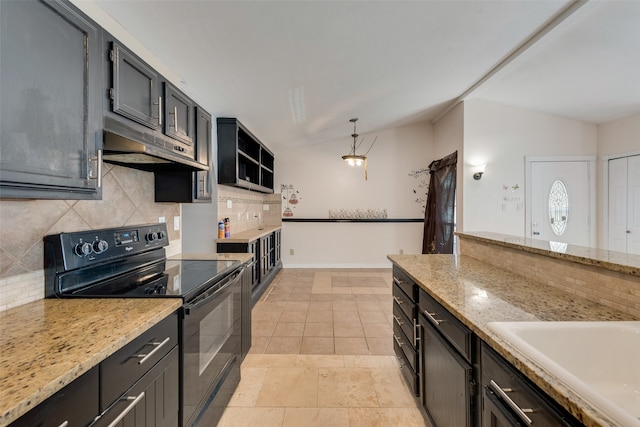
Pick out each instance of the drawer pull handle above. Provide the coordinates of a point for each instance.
(502, 392)
(398, 300)
(398, 321)
(145, 357)
(397, 340)
(431, 317)
(134, 401)
(416, 333)
(64, 424)
(396, 280)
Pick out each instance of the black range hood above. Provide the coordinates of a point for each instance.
(149, 151)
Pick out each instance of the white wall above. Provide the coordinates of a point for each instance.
(323, 181)
(501, 136)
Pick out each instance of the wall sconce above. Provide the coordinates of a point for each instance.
(478, 170)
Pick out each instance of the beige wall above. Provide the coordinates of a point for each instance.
(127, 199)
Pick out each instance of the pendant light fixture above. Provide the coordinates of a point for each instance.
(354, 159)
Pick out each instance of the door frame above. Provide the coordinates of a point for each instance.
(591, 162)
(604, 199)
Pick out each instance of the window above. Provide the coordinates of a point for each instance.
(558, 207)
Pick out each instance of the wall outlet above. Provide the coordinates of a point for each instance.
(176, 223)
(229, 204)
(162, 219)
(265, 207)
(239, 216)
(291, 252)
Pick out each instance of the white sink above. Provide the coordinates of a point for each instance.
(600, 361)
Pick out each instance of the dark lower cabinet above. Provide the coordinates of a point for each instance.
(153, 401)
(510, 400)
(405, 329)
(448, 381)
(51, 83)
(76, 405)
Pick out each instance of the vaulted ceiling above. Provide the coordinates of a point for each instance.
(295, 72)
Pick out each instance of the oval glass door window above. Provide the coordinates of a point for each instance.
(558, 207)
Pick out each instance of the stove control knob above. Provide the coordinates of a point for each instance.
(161, 235)
(83, 249)
(100, 246)
(152, 236)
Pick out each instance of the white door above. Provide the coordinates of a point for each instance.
(560, 201)
(624, 204)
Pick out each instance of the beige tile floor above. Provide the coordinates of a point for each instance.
(322, 355)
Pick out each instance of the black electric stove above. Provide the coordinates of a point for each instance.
(125, 262)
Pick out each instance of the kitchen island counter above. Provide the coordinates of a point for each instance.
(46, 344)
(478, 293)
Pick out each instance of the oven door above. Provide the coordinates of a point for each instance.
(211, 346)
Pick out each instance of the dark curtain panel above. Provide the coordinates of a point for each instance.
(438, 216)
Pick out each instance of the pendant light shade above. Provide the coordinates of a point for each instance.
(354, 159)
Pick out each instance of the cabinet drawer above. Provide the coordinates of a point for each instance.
(408, 286)
(76, 404)
(451, 328)
(122, 369)
(404, 302)
(408, 373)
(405, 344)
(500, 379)
(401, 320)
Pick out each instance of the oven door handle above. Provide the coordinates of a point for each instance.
(207, 296)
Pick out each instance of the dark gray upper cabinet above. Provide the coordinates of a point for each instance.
(135, 92)
(243, 161)
(179, 112)
(186, 186)
(50, 80)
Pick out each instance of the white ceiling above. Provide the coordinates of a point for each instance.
(295, 72)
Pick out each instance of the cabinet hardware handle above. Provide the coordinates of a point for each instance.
(502, 392)
(134, 401)
(397, 319)
(433, 319)
(398, 300)
(174, 113)
(397, 340)
(98, 176)
(64, 424)
(416, 333)
(145, 357)
(159, 104)
(396, 280)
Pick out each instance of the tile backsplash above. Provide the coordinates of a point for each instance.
(127, 199)
(248, 208)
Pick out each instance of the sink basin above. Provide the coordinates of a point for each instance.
(599, 361)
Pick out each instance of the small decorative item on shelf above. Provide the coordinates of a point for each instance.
(357, 213)
(227, 228)
(221, 230)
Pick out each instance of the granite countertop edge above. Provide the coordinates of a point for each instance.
(611, 260)
(477, 293)
(66, 346)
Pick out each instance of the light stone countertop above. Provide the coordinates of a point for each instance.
(610, 260)
(242, 257)
(46, 344)
(478, 293)
(249, 235)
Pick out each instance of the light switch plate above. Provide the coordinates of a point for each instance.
(229, 204)
(162, 219)
(176, 223)
(265, 207)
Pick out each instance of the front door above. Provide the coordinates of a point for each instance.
(560, 200)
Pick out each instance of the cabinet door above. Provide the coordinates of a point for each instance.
(50, 81)
(135, 93)
(202, 179)
(152, 402)
(178, 115)
(447, 381)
